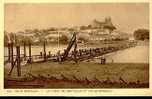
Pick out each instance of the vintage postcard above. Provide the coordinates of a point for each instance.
(75, 48)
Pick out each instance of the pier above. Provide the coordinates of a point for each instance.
(76, 55)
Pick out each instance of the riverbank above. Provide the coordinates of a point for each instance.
(85, 74)
(70, 75)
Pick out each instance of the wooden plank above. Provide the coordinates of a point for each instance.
(18, 61)
(44, 47)
(9, 52)
(24, 50)
(12, 58)
(30, 57)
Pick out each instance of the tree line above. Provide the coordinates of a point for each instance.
(141, 34)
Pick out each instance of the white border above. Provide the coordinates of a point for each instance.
(65, 92)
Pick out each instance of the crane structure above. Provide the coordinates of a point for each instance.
(73, 42)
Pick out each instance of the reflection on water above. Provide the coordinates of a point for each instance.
(138, 54)
(37, 49)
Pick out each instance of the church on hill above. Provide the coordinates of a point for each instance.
(105, 26)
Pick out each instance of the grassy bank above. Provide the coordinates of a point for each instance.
(84, 72)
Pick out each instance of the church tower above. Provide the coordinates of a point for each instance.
(108, 20)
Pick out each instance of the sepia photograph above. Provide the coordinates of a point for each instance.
(76, 45)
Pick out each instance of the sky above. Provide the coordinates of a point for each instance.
(127, 17)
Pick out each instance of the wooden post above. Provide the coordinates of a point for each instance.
(12, 67)
(49, 53)
(40, 53)
(18, 61)
(44, 51)
(9, 52)
(30, 56)
(75, 50)
(24, 51)
(12, 58)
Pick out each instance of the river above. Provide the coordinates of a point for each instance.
(138, 54)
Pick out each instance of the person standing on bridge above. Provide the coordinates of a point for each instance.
(103, 60)
(59, 56)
